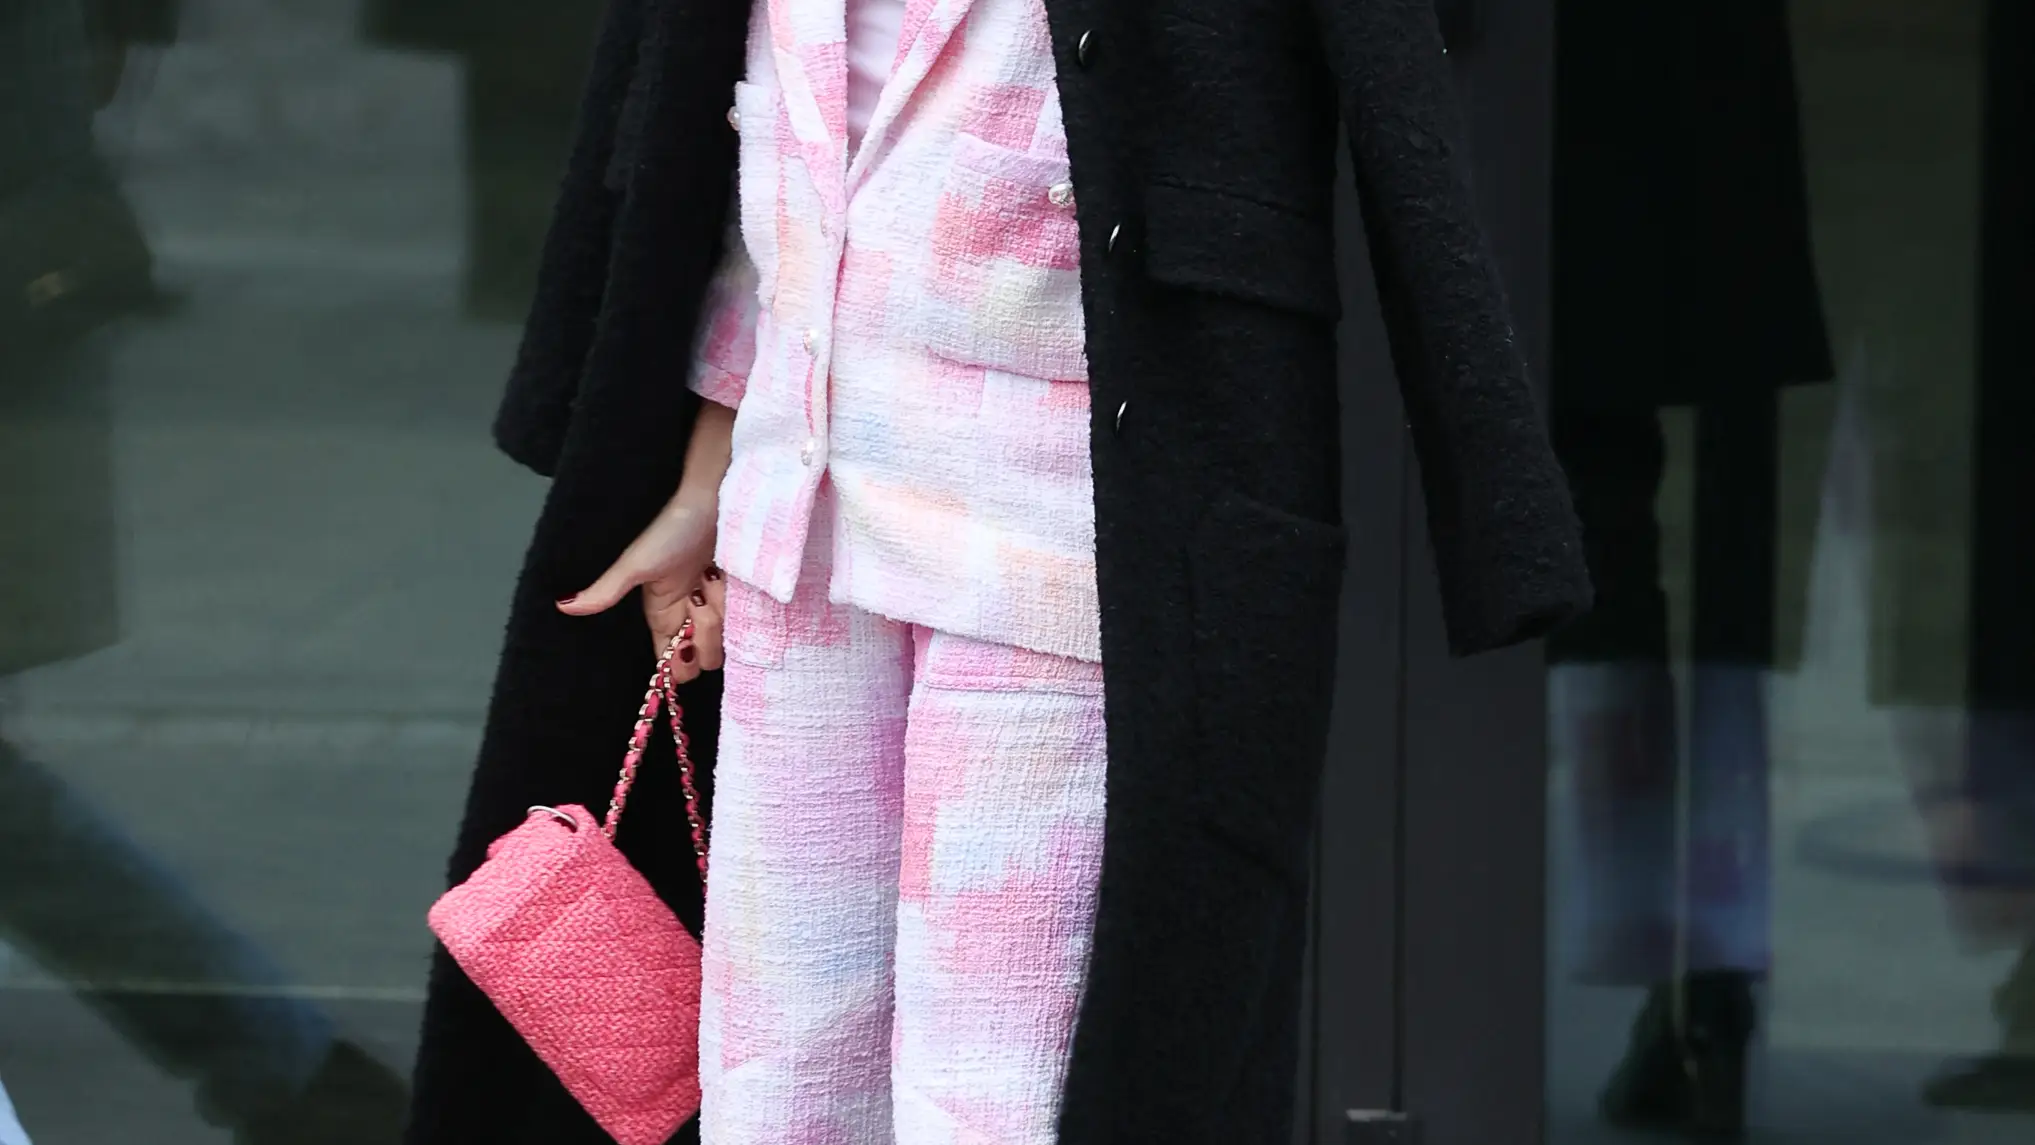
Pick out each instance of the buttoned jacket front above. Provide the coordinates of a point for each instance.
(901, 327)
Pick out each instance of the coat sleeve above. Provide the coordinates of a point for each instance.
(726, 343)
(1507, 545)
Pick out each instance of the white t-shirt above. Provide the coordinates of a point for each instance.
(873, 30)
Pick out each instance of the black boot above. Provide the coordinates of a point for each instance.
(1685, 1071)
(2002, 1082)
(1996, 1083)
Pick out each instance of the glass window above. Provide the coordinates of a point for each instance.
(261, 266)
(1793, 848)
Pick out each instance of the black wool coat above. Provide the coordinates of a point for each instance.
(1203, 137)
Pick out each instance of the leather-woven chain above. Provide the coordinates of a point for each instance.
(664, 692)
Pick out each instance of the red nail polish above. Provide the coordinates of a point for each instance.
(713, 572)
(685, 653)
(699, 598)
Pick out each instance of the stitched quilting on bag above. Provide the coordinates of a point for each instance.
(576, 950)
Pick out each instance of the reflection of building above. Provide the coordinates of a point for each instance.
(524, 61)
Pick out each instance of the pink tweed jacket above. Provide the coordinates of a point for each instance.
(901, 329)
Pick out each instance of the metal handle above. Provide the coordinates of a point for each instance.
(662, 692)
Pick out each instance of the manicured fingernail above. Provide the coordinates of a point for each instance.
(565, 600)
(699, 598)
(713, 572)
(685, 653)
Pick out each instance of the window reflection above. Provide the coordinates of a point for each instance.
(1794, 774)
(261, 267)
(520, 63)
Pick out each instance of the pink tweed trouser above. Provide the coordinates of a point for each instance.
(907, 838)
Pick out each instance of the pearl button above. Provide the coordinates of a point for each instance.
(734, 119)
(805, 453)
(1060, 194)
(811, 340)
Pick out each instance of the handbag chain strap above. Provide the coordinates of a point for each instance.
(662, 692)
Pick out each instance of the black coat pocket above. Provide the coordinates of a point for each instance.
(1207, 239)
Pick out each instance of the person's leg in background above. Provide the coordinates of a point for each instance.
(1726, 884)
(802, 878)
(83, 900)
(1612, 702)
(1989, 870)
(1731, 645)
(1612, 728)
(78, 896)
(1003, 817)
(1694, 933)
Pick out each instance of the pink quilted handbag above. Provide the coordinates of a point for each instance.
(581, 956)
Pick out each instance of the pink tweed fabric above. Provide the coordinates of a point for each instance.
(904, 320)
(907, 839)
(590, 966)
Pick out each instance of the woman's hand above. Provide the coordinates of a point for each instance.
(672, 559)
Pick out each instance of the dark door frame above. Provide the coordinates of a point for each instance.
(1427, 987)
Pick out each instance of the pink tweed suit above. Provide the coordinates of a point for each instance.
(909, 795)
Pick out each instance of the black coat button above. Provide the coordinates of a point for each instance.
(1118, 425)
(1083, 47)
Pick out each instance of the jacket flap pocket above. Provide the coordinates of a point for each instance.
(1206, 239)
(1002, 278)
(1007, 164)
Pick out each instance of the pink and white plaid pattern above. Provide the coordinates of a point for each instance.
(907, 322)
(907, 838)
